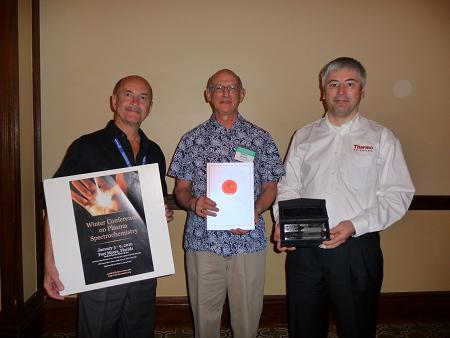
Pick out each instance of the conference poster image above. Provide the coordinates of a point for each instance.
(108, 228)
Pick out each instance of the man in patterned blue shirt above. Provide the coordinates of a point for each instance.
(221, 263)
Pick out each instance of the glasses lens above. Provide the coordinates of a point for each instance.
(221, 88)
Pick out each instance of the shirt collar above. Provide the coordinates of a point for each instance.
(343, 128)
(115, 131)
(212, 120)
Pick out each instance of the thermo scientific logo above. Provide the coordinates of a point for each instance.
(358, 147)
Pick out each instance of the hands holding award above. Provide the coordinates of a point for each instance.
(304, 223)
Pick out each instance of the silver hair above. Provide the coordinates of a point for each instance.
(340, 63)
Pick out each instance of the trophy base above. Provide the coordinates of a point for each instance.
(304, 235)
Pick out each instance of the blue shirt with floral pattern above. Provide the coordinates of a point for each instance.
(210, 142)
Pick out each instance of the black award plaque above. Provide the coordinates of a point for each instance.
(303, 222)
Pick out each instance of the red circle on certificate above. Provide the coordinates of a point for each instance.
(229, 187)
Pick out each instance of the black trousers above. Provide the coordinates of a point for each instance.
(122, 311)
(346, 279)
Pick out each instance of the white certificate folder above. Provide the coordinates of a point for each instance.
(108, 228)
(230, 185)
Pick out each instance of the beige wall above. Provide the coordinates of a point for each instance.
(27, 149)
(416, 254)
(278, 49)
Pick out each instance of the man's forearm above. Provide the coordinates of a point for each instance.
(48, 248)
(266, 198)
(185, 199)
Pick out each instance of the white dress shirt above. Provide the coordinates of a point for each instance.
(358, 168)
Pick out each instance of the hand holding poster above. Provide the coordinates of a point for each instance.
(108, 228)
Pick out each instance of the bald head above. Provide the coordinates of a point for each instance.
(119, 85)
(131, 102)
(213, 77)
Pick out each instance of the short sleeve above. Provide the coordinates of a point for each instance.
(270, 163)
(182, 162)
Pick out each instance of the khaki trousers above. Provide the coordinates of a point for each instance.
(212, 277)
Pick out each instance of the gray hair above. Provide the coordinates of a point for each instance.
(340, 63)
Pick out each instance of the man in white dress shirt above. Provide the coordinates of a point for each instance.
(357, 166)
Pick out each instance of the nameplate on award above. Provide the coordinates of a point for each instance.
(303, 222)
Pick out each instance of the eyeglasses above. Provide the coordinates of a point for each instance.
(221, 88)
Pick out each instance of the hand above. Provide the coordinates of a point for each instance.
(169, 213)
(277, 240)
(203, 206)
(52, 283)
(339, 235)
(239, 231)
(100, 196)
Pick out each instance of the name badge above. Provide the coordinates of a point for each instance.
(244, 155)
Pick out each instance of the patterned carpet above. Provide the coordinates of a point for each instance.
(410, 330)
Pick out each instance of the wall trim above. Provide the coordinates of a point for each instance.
(419, 202)
(10, 229)
(430, 202)
(396, 307)
(31, 322)
(18, 317)
(38, 187)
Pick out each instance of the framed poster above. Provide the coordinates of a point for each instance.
(108, 227)
(230, 185)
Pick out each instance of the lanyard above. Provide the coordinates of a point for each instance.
(124, 155)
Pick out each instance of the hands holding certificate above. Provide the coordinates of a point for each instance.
(204, 206)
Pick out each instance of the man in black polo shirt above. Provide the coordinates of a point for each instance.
(123, 310)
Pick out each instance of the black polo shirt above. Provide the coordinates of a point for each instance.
(98, 151)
